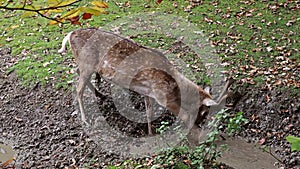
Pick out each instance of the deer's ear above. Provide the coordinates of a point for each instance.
(207, 89)
(209, 102)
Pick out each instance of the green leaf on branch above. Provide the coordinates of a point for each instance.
(100, 4)
(75, 11)
(54, 22)
(65, 3)
(72, 13)
(53, 2)
(92, 10)
(28, 14)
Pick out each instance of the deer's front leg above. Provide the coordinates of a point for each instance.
(224, 95)
(149, 110)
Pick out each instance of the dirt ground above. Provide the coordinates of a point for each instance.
(41, 123)
(272, 115)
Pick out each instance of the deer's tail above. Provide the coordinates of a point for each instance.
(65, 40)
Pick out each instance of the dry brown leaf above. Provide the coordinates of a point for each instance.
(6, 163)
(262, 141)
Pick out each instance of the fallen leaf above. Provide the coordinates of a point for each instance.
(150, 162)
(46, 64)
(127, 4)
(72, 142)
(6, 163)
(14, 26)
(262, 141)
(209, 20)
(290, 22)
(47, 106)
(249, 14)
(269, 49)
(188, 162)
(18, 119)
(175, 5)
(268, 98)
(278, 83)
(9, 39)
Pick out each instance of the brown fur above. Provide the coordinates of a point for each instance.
(143, 70)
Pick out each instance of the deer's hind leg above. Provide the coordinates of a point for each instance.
(84, 79)
(91, 86)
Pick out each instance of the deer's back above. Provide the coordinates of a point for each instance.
(125, 63)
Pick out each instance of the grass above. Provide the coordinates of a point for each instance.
(35, 45)
(260, 34)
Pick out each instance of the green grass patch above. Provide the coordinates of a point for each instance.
(34, 45)
(261, 34)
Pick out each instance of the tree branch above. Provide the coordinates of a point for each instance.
(38, 11)
(35, 10)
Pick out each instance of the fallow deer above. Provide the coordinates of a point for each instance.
(140, 69)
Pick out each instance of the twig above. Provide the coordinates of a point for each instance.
(274, 156)
(35, 10)
(38, 11)
(270, 152)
